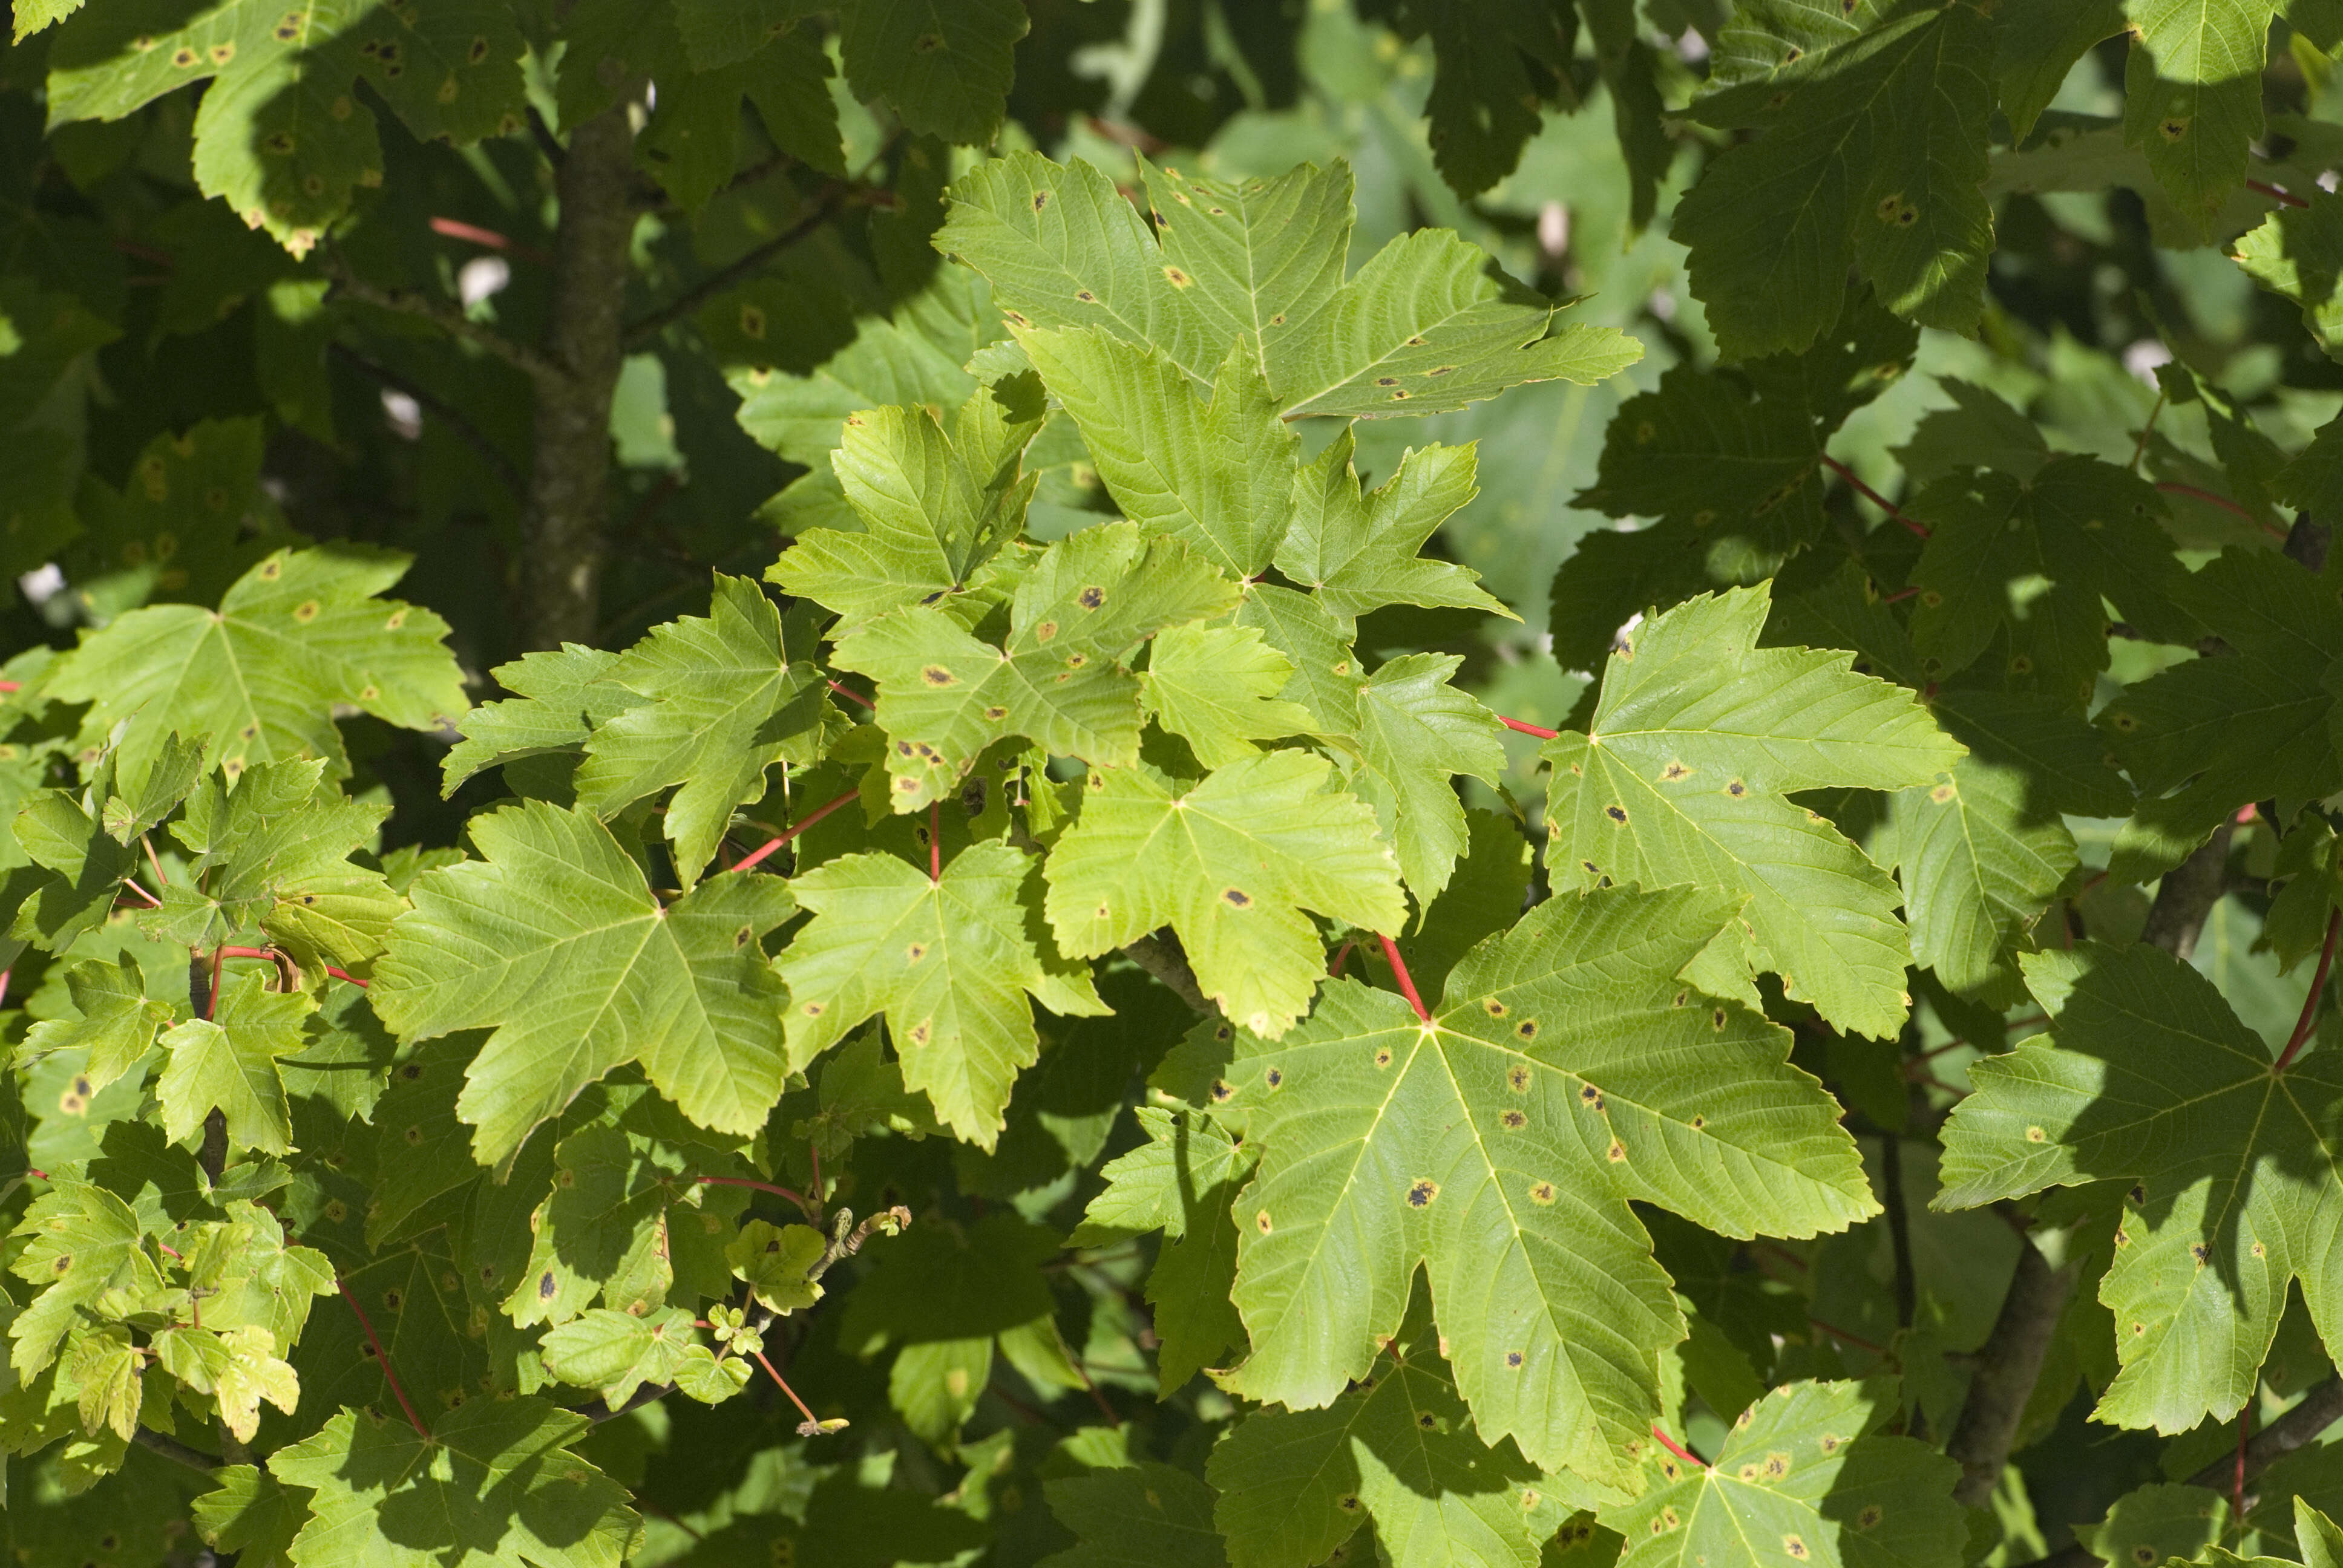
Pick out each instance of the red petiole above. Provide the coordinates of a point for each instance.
(811, 818)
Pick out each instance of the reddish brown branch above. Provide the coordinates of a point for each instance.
(1874, 496)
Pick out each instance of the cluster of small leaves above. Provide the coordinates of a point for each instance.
(751, 1070)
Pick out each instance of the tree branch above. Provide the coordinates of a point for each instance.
(1160, 955)
(444, 315)
(2185, 897)
(2007, 1368)
(178, 1453)
(2317, 1410)
(488, 451)
(563, 524)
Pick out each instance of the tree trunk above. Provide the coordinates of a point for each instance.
(562, 528)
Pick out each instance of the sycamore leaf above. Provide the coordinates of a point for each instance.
(118, 1025)
(2029, 564)
(281, 134)
(494, 1484)
(1148, 1517)
(1730, 463)
(274, 851)
(1317, 643)
(2147, 1078)
(1217, 689)
(559, 700)
(1492, 64)
(237, 1366)
(943, 65)
(2207, 736)
(1426, 326)
(1146, 1188)
(228, 1062)
(1568, 1072)
(944, 695)
(249, 1514)
(619, 1226)
(258, 680)
(1980, 855)
(1217, 475)
(1230, 864)
(2037, 47)
(1806, 1473)
(177, 765)
(82, 1243)
(722, 703)
(106, 1365)
(88, 870)
(1361, 550)
(554, 939)
(776, 1261)
(2192, 94)
(1398, 1449)
(615, 1353)
(1873, 153)
(1683, 776)
(950, 962)
(933, 505)
(2297, 253)
(1416, 732)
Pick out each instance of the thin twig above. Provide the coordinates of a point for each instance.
(833, 196)
(1097, 1398)
(812, 1210)
(471, 435)
(178, 1453)
(2278, 193)
(2195, 493)
(382, 1357)
(449, 317)
(2303, 1025)
(2008, 1365)
(1874, 496)
(2140, 445)
(1899, 1228)
(808, 820)
(1857, 1340)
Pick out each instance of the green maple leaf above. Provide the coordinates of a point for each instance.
(1360, 549)
(1873, 153)
(1217, 689)
(615, 1353)
(494, 1483)
(2149, 1079)
(2192, 99)
(558, 700)
(1731, 465)
(1805, 1473)
(2030, 564)
(280, 134)
(1416, 732)
(249, 1514)
(944, 66)
(945, 694)
(82, 1245)
(2037, 47)
(257, 681)
(1145, 1516)
(1217, 475)
(2207, 736)
(1230, 864)
(723, 703)
(776, 1261)
(87, 870)
(118, 1025)
(274, 851)
(1317, 643)
(1492, 64)
(2297, 253)
(1684, 774)
(625, 1226)
(1263, 255)
(934, 505)
(950, 962)
(2163, 1521)
(1398, 1450)
(168, 779)
(228, 1062)
(555, 941)
(1182, 1181)
(106, 1366)
(238, 1367)
(1568, 1072)
(1423, 327)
